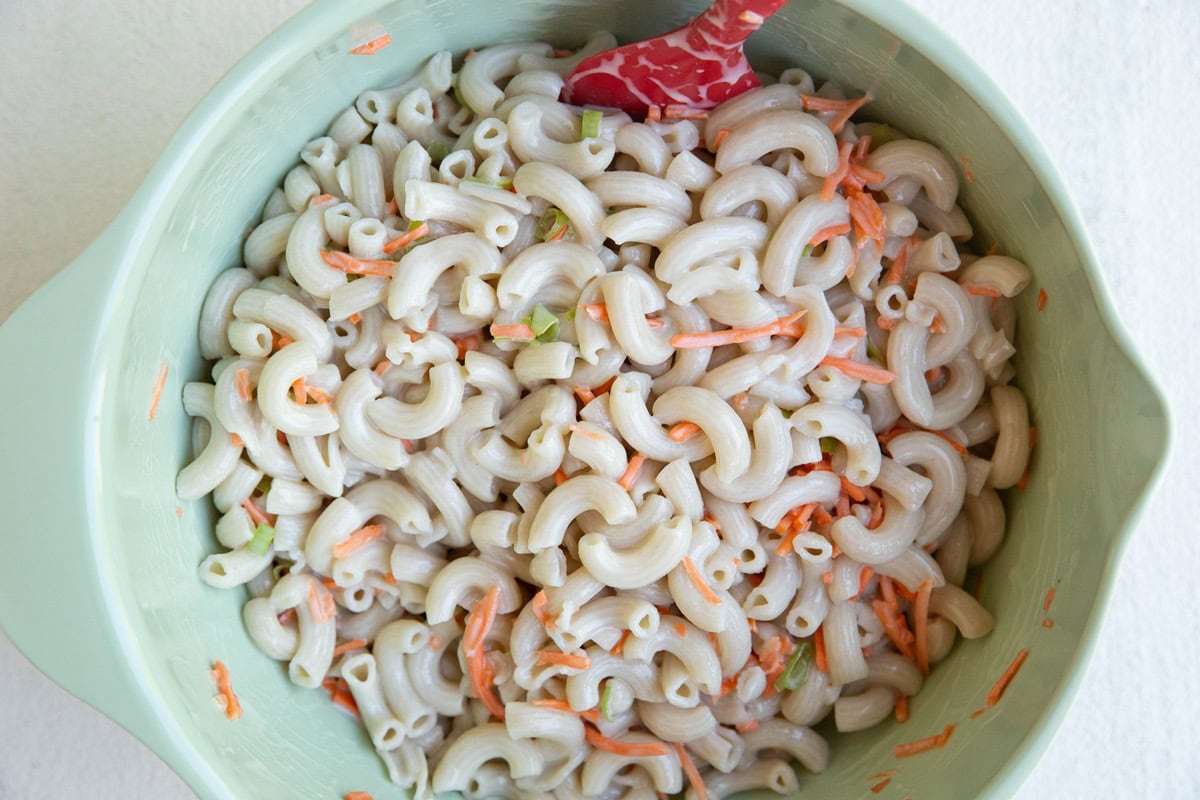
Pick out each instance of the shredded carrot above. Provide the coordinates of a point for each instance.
(932, 375)
(885, 323)
(705, 590)
(405, 239)
(733, 335)
(570, 660)
(937, 326)
(689, 769)
(619, 647)
(901, 708)
(358, 796)
(746, 727)
(864, 577)
(256, 514)
(981, 291)
(360, 537)
(740, 400)
(895, 273)
(904, 592)
(829, 187)
(681, 629)
(604, 387)
(382, 367)
(630, 749)
(887, 773)
(227, 697)
(867, 216)
(1042, 298)
(857, 369)
(653, 113)
(560, 477)
(179, 512)
(554, 703)
(825, 234)
(300, 391)
(559, 234)
(683, 431)
(894, 627)
(236, 440)
(156, 393)
(1049, 599)
(819, 657)
(584, 394)
(521, 332)
(597, 311)
(346, 647)
(856, 493)
(1047, 623)
(879, 787)
(921, 624)
(479, 622)
(922, 745)
(318, 395)
(357, 266)
(827, 577)
(1023, 483)
(279, 342)
(997, 691)
(675, 111)
(967, 168)
(320, 603)
(797, 524)
(844, 108)
(631, 472)
(340, 696)
(355, 318)
(321, 199)
(372, 47)
(721, 134)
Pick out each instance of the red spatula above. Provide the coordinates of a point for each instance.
(698, 66)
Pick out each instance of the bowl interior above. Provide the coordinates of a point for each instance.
(1092, 405)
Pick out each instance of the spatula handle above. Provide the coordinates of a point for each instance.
(728, 23)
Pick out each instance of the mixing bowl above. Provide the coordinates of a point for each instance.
(99, 580)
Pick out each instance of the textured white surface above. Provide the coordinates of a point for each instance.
(91, 92)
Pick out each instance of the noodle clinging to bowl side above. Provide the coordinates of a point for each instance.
(618, 452)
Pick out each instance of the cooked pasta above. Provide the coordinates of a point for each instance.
(587, 453)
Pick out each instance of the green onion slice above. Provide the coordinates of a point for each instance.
(796, 670)
(605, 699)
(590, 128)
(261, 540)
(544, 324)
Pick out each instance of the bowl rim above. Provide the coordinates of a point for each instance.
(162, 731)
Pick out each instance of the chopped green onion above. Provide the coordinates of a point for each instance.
(873, 351)
(504, 183)
(828, 444)
(475, 180)
(570, 315)
(264, 485)
(793, 675)
(413, 224)
(605, 699)
(544, 324)
(437, 151)
(807, 251)
(590, 128)
(551, 224)
(881, 135)
(261, 540)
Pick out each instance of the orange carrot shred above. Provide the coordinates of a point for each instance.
(829, 187)
(967, 169)
(320, 603)
(382, 367)
(405, 239)
(981, 291)
(300, 391)
(619, 647)
(879, 787)
(374, 46)
(346, 647)
(922, 745)
(227, 697)
(1049, 600)
(1047, 623)
(1042, 298)
(519, 332)
(357, 266)
(721, 134)
(481, 674)
(179, 512)
(236, 440)
(921, 624)
(683, 431)
(705, 590)
(631, 472)
(864, 577)
(844, 108)
(156, 393)
(857, 369)
(819, 657)
(825, 234)
(901, 708)
(937, 326)
(597, 311)
(653, 113)
(733, 335)
(584, 394)
(630, 749)
(256, 514)
(746, 727)
(681, 629)
(358, 796)
(887, 773)
(689, 769)
(569, 660)
(355, 318)
(360, 537)
(997, 691)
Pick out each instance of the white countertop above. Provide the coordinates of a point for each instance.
(92, 91)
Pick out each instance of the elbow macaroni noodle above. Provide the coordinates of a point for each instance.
(571, 440)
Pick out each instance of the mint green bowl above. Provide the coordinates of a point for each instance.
(100, 587)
